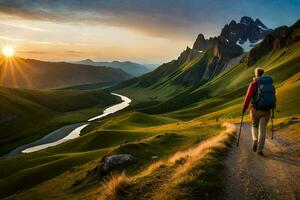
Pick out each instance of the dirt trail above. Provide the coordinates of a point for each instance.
(249, 176)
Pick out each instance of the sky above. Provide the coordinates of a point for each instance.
(145, 31)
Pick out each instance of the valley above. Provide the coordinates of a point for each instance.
(134, 69)
(66, 133)
(27, 115)
(178, 123)
(36, 74)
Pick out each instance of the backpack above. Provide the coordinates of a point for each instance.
(264, 98)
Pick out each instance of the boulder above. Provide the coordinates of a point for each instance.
(114, 163)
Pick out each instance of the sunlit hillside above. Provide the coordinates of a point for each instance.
(178, 134)
(159, 100)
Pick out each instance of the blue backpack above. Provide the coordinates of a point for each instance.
(264, 98)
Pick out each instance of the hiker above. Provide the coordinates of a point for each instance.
(261, 93)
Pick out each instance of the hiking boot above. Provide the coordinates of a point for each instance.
(260, 153)
(254, 145)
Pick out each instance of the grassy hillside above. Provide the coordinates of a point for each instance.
(144, 136)
(227, 90)
(280, 62)
(162, 138)
(174, 131)
(28, 73)
(26, 115)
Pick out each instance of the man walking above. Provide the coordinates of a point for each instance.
(261, 93)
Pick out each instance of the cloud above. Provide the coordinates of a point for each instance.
(11, 38)
(147, 17)
(75, 52)
(180, 19)
(14, 39)
(46, 52)
(32, 28)
(32, 52)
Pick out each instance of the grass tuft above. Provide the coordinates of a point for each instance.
(114, 186)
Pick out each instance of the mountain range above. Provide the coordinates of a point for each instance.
(29, 73)
(209, 59)
(173, 128)
(129, 67)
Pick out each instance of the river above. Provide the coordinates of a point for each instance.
(68, 132)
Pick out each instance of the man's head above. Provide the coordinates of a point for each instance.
(258, 72)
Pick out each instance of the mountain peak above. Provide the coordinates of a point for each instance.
(200, 37)
(260, 24)
(188, 48)
(247, 31)
(88, 60)
(232, 23)
(201, 43)
(246, 20)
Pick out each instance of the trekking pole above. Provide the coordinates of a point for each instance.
(239, 135)
(272, 128)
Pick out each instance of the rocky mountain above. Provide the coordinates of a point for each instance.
(173, 107)
(280, 38)
(246, 33)
(131, 68)
(208, 57)
(224, 50)
(213, 71)
(29, 73)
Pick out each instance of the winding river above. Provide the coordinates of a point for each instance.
(67, 132)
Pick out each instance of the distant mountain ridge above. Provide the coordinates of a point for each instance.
(30, 73)
(180, 104)
(129, 67)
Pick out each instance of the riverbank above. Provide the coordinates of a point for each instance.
(67, 132)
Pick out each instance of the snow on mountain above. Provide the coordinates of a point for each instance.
(247, 45)
(246, 29)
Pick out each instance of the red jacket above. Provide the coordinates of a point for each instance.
(250, 94)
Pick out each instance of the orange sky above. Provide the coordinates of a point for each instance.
(146, 31)
(53, 41)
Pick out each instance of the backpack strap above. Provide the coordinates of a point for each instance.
(256, 96)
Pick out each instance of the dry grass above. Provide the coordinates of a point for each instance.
(113, 186)
(189, 161)
(150, 169)
(203, 147)
(184, 161)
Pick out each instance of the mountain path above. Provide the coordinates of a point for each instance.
(276, 175)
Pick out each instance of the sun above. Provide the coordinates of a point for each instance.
(8, 51)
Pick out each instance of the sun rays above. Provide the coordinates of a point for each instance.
(8, 51)
(12, 72)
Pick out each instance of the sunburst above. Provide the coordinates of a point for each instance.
(8, 51)
(13, 71)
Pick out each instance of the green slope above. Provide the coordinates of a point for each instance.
(161, 138)
(164, 118)
(27, 115)
(230, 86)
(28, 73)
(280, 63)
